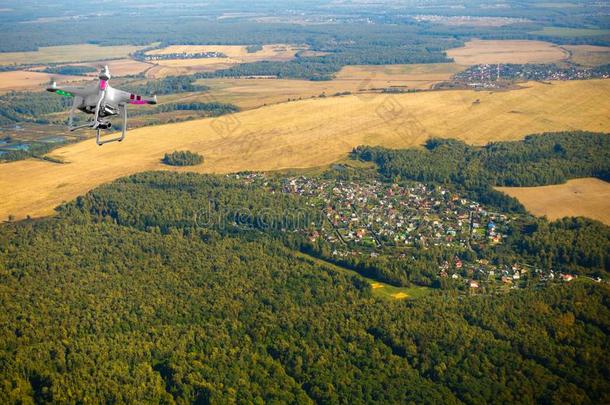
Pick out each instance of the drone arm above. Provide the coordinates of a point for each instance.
(143, 100)
(71, 91)
(131, 98)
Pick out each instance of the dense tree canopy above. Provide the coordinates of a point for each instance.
(112, 313)
(182, 158)
(75, 70)
(167, 85)
(537, 160)
(151, 289)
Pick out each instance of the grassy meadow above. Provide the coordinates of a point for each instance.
(380, 289)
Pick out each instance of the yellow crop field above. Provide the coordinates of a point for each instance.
(307, 133)
(251, 93)
(269, 52)
(120, 67)
(159, 72)
(588, 55)
(67, 53)
(234, 54)
(201, 64)
(25, 80)
(420, 76)
(589, 197)
(507, 51)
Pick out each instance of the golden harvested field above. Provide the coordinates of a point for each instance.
(589, 197)
(308, 133)
(159, 72)
(269, 52)
(421, 76)
(251, 93)
(588, 55)
(67, 53)
(25, 80)
(234, 54)
(507, 51)
(119, 67)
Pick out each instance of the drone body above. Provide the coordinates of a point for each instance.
(102, 101)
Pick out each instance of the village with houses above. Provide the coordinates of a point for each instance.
(495, 76)
(178, 55)
(376, 219)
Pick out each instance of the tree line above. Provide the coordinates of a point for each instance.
(167, 85)
(72, 70)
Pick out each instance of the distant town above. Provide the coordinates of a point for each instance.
(181, 55)
(490, 76)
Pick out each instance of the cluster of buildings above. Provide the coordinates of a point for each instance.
(183, 55)
(371, 218)
(481, 273)
(490, 75)
(467, 20)
(376, 215)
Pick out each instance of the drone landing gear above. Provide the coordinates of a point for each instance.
(106, 125)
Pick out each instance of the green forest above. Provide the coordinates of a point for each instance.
(167, 85)
(200, 23)
(538, 160)
(165, 203)
(182, 158)
(172, 287)
(75, 70)
(125, 296)
(18, 107)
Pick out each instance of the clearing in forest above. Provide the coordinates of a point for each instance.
(507, 51)
(588, 55)
(588, 197)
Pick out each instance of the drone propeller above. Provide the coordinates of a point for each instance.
(105, 74)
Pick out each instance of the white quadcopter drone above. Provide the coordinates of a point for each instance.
(101, 100)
